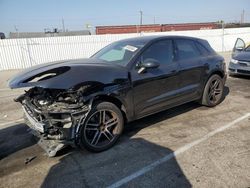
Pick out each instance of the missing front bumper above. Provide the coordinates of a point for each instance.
(33, 123)
(51, 147)
(53, 143)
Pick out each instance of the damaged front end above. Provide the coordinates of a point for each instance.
(61, 95)
(54, 115)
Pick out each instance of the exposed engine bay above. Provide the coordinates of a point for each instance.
(55, 115)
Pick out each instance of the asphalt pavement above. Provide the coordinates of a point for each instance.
(187, 146)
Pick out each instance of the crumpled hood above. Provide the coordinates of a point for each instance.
(68, 74)
(242, 56)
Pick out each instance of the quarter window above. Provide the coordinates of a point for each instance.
(186, 49)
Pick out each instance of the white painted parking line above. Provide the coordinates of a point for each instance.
(175, 153)
(8, 124)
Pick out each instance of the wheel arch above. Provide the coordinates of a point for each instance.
(218, 72)
(115, 101)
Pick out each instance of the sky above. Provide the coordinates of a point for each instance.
(37, 15)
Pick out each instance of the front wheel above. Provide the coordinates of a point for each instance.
(102, 127)
(213, 91)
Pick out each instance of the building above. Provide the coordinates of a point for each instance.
(54, 33)
(154, 28)
(127, 29)
(189, 26)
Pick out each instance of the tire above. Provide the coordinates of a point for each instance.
(102, 128)
(213, 91)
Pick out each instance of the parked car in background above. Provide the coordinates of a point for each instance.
(2, 35)
(240, 62)
(86, 102)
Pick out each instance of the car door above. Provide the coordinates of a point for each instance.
(238, 46)
(191, 69)
(153, 88)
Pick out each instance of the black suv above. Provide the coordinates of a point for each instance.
(86, 102)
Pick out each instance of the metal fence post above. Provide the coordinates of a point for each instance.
(28, 48)
(222, 39)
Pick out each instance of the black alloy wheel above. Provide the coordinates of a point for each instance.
(102, 128)
(213, 91)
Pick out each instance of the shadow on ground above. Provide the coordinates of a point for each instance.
(84, 169)
(15, 138)
(77, 168)
(135, 126)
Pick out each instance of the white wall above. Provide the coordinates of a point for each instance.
(23, 53)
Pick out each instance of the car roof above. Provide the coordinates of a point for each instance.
(147, 39)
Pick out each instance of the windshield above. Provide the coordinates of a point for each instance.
(120, 52)
(247, 48)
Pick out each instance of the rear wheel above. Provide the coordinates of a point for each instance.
(213, 91)
(102, 128)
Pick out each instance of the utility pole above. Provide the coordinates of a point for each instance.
(63, 25)
(16, 29)
(88, 27)
(243, 16)
(140, 17)
(223, 33)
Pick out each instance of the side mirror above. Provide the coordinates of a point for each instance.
(148, 64)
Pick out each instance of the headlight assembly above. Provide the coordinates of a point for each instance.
(234, 61)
